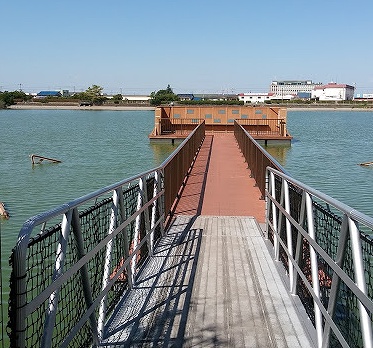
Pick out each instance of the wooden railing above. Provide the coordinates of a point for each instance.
(256, 127)
(256, 157)
(176, 167)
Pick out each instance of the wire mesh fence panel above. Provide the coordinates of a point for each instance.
(332, 228)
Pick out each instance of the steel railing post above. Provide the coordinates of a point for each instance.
(314, 269)
(154, 208)
(136, 236)
(298, 248)
(146, 214)
(289, 236)
(125, 236)
(357, 256)
(276, 243)
(50, 319)
(107, 264)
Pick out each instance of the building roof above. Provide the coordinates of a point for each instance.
(186, 95)
(49, 94)
(295, 82)
(267, 94)
(334, 85)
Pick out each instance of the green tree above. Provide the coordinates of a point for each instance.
(117, 98)
(163, 96)
(10, 98)
(94, 91)
(92, 94)
(95, 94)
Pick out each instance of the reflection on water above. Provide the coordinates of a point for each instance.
(161, 151)
(278, 152)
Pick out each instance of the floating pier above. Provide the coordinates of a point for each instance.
(36, 159)
(3, 212)
(266, 124)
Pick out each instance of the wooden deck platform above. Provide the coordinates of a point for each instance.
(220, 182)
(212, 281)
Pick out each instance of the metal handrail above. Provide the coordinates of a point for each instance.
(291, 223)
(177, 165)
(256, 157)
(132, 212)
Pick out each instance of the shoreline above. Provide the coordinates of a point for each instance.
(327, 108)
(152, 108)
(77, 107)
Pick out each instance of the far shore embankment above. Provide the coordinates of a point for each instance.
(77, 107)
(306, 107)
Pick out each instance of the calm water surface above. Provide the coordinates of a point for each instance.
(98, 148)
(326, 151)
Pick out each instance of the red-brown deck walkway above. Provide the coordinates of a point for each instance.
(220, 184)
(212, 281)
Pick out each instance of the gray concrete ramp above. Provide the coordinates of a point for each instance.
(210, 283)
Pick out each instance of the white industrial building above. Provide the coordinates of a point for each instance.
(333, 92)
(255, 98)
(293, 87)
(136, 99)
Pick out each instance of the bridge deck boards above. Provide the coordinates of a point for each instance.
(210, 283)
(220, 182)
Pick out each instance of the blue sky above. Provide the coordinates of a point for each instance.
(195, 46)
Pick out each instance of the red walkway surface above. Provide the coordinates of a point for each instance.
(220, 183)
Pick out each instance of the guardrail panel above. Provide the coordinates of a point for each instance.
(58, 279)
(333, 259)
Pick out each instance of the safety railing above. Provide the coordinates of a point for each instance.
(72, 264)
(257, 158)
(327, 250)
(257, 127)
(179, 126)
(176, 168)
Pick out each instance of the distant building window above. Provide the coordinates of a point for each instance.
(217, 120)
(258, 111)
(190, 111)
(221, 111)
(195, 120)
(264, 116)
(208, 116)
(230, 120)
(235, 112)
(244, 116)
(176, 115)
